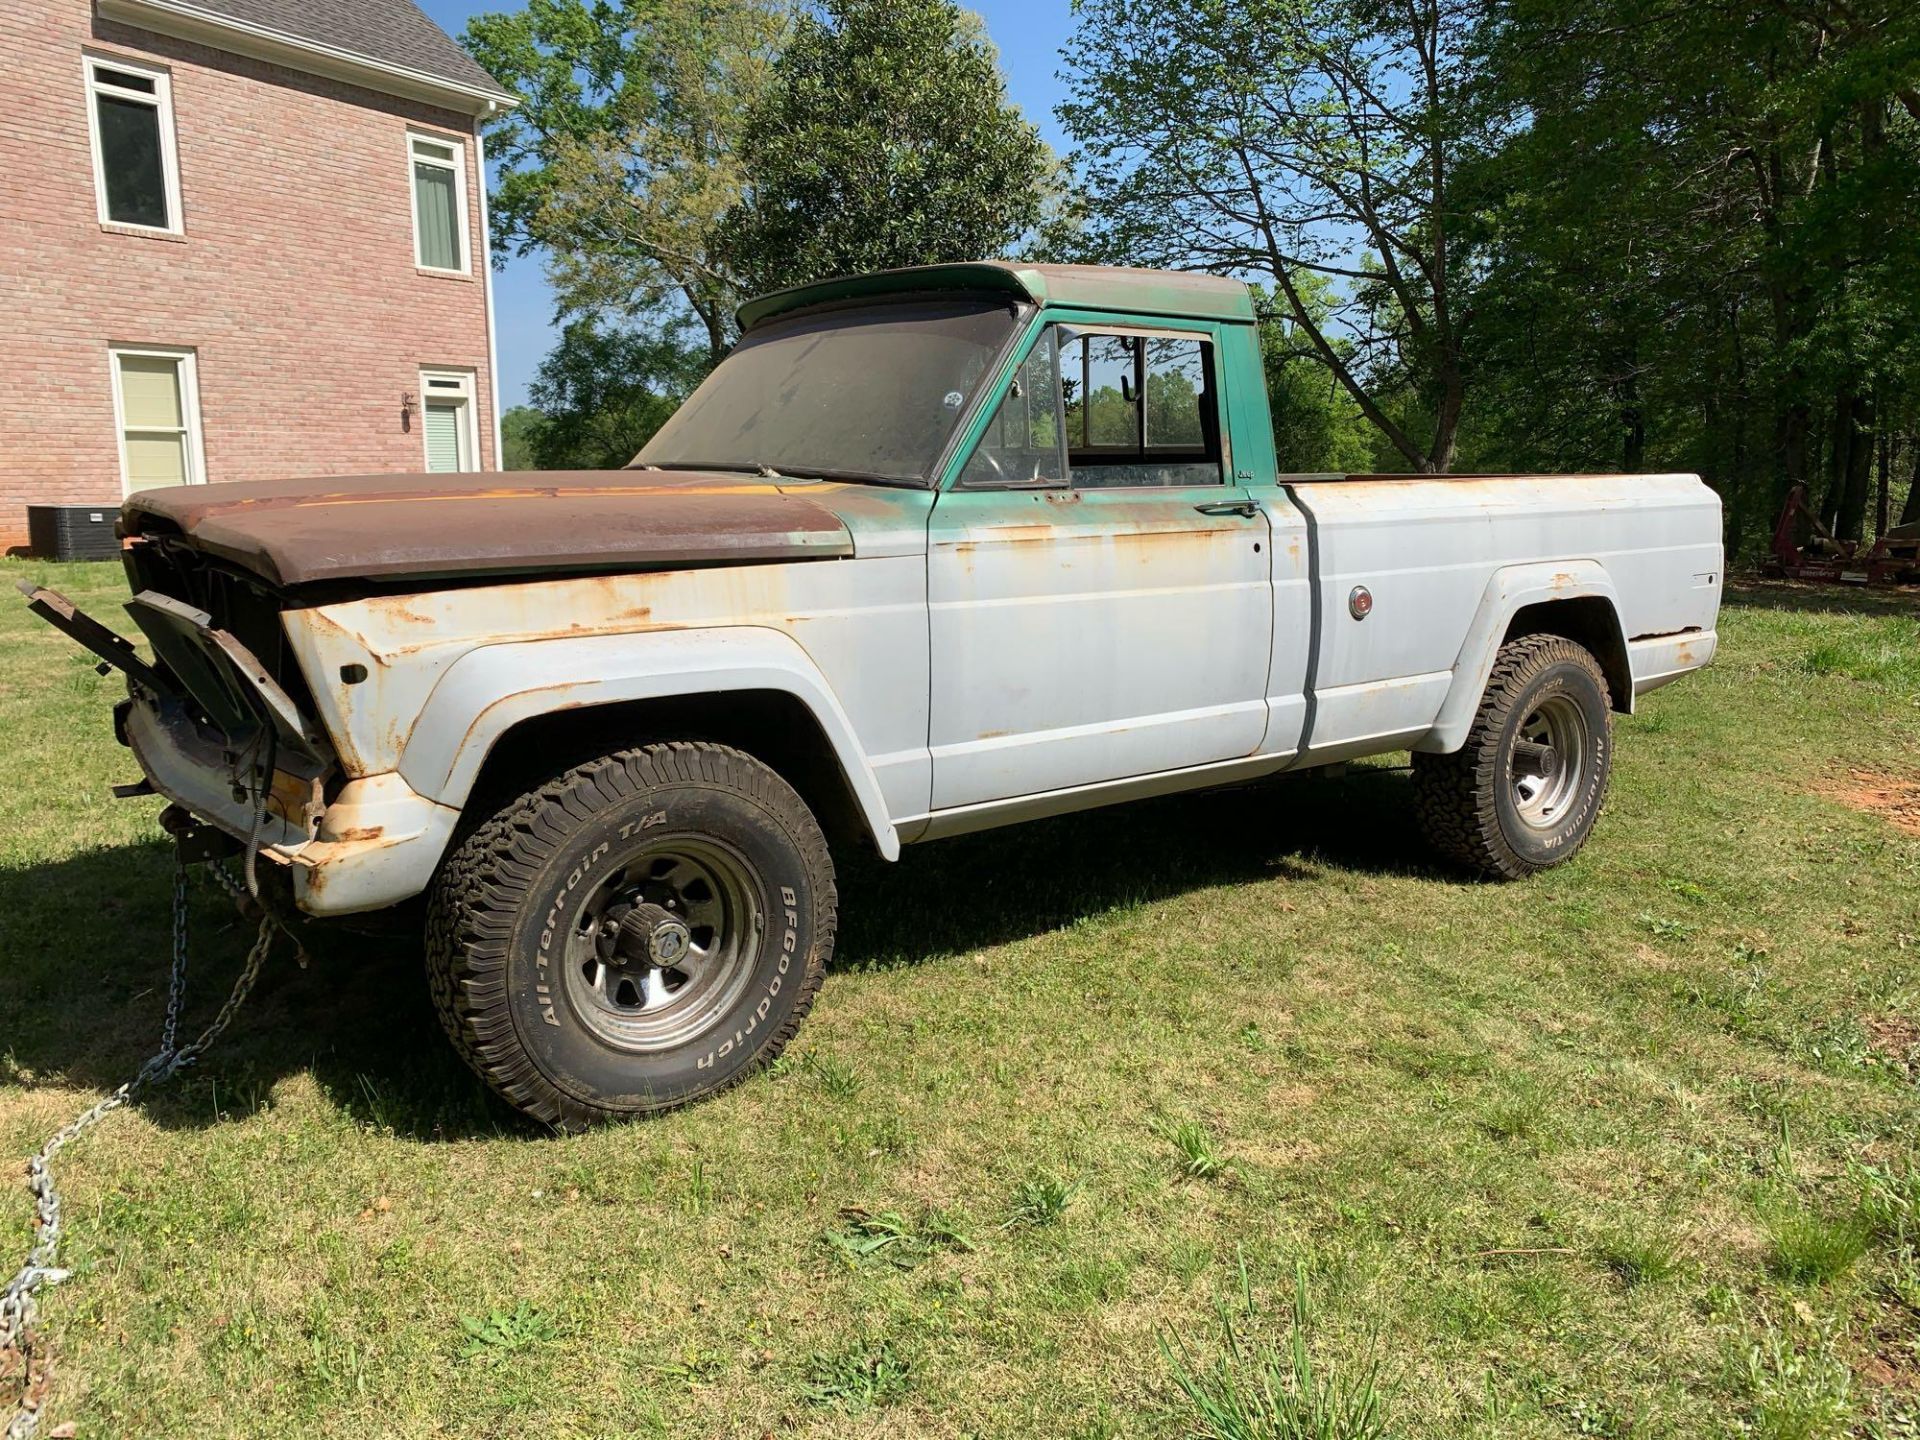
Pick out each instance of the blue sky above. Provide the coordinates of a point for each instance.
(1029, 34)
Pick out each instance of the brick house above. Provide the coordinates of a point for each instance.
(238, 239)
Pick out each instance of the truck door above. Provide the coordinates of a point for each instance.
(1101, 602)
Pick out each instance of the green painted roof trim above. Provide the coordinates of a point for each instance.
(1093, 287)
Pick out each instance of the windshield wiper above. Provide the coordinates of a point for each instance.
(739, 467)
(736, 467)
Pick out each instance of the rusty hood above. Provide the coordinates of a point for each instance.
(342, 527)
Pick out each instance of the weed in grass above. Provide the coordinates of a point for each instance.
(1806, 1247)
(1095, 1280)
(699, 1194)
(1686, 890)
(1780, 1162)
(864, 1236)
(1839, 1046)
(1893, 662)
(856, 1377)
(1663, 928)
(1796, 1393)
(1719, 1302)
(1640, 1259)
(1903, 1279)
(885, 1137)
(832, 1075)
(1195, 1155)
(1255, 1390)
(1889, 1198)
(505, 1332)
(1042, 1199)
(693, 1366)
(1516, 1115)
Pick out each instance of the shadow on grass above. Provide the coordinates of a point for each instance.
(1812, 597)
(85, 944)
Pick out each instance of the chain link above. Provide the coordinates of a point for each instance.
(19, 1341)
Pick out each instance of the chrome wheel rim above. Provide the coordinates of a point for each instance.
(1547, 762)
(664, 946)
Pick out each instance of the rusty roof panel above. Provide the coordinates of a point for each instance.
(1095, 287)
(299, 532)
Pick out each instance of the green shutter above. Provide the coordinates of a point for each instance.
(443, 436)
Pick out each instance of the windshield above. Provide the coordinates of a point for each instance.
(871, 392)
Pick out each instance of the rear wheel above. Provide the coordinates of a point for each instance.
(1521, 795)
(635, 935)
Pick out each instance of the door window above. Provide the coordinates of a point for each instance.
(1023, 442)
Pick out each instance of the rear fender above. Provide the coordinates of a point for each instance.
(1510, 591)
(488, 691)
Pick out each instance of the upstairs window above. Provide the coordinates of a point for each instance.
(439, 203)
(135, 172)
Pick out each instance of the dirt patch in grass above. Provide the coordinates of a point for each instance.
(1894, 797)
(1892, 1364)
(1896, 1037)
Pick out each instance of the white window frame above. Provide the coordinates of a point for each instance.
(458, 164)
(189, 371)
(452, 385)
(162, 101)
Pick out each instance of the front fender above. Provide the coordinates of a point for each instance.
(489, 690)
(1509, 591)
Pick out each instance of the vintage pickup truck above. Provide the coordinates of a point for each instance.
(931, 551)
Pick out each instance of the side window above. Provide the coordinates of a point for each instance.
(1140, 410)
(439, 203)
(1022, 444)
(135, 173)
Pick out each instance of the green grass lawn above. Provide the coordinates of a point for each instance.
(1629, 1149)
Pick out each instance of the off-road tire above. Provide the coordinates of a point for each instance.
(1466, 802)
(495, 953)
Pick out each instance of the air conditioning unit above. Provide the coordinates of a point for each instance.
(73, 532)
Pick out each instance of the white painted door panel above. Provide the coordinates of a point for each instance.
(1092, 635)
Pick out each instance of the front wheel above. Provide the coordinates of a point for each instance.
(635, 935)
(1523, 792)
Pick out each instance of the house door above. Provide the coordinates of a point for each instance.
(447, 418)
(1101, 605)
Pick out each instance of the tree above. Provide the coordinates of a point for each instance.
(517, 428)
(1316, 426)
(624, 157)
(884, 139)
(1287, 138)
(603, 392)
(1700, 250)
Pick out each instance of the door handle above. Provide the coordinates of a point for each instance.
(1245, 509)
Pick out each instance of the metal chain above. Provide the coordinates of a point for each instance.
(18, 1302)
